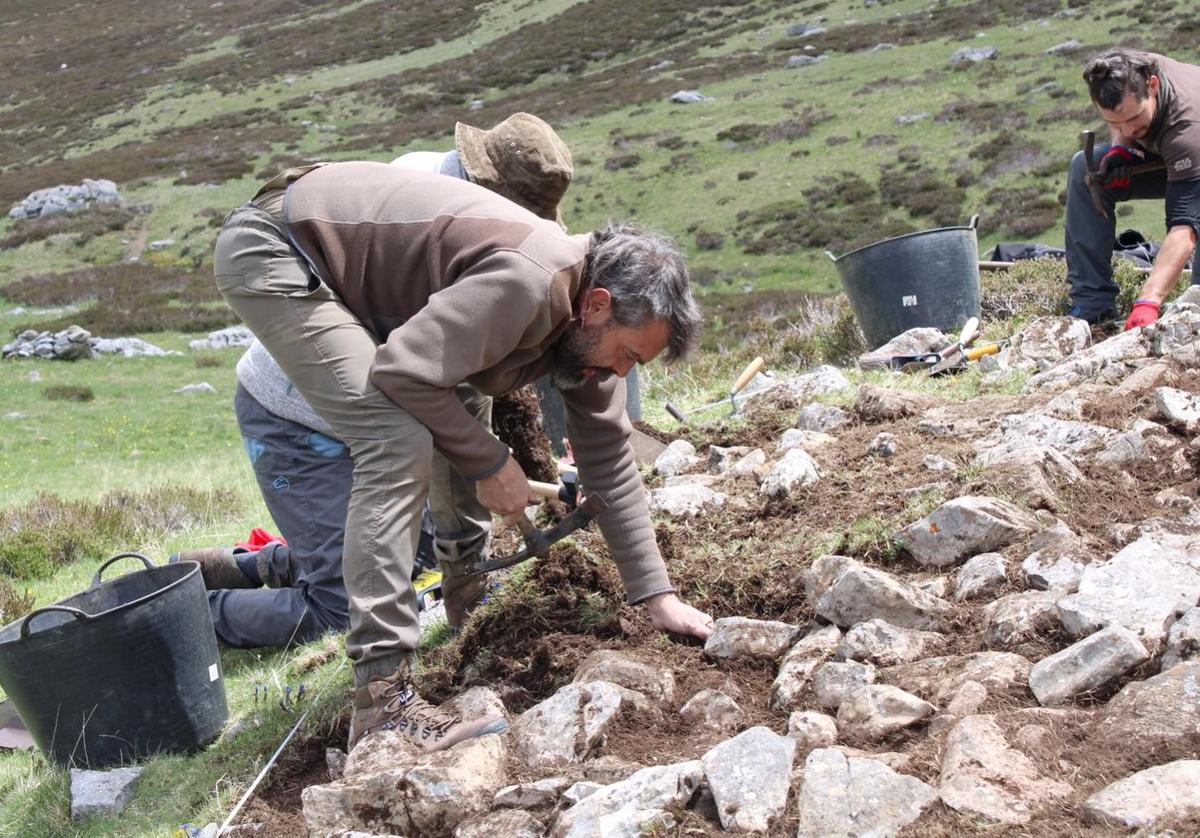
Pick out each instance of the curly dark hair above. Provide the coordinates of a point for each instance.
(1113, 75)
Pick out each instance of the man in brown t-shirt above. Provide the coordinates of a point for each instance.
(1152, 106)
(378, 291)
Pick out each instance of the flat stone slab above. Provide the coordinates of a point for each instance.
(630, 803)
(1086, 665)
(851, 796)
(1141, 588)
(742, 637)
(964, 527)
(749, 776)
(875, 711)
(103, 793)
(1160, 710)
(861, 593)
(1140, 800)
(883, 644)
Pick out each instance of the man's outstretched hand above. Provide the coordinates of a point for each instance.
(669, 613)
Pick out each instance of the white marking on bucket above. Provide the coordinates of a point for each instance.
(908, 300)
(213, 673)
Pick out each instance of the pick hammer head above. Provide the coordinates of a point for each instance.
(538, 542)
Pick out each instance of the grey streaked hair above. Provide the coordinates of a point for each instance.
(1113, 75)
(648, 279)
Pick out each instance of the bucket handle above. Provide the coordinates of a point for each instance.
(974, 222)
(74, 612)
(100, 571)
(832, 258)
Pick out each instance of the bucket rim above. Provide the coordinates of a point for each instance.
(193, 571)
(970, 225)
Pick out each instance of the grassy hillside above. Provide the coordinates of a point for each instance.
(188, 105)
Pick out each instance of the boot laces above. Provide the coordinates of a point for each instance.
(405, 707)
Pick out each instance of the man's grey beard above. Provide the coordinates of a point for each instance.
(570, 358)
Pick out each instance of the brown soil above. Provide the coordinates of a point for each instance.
(517, 421)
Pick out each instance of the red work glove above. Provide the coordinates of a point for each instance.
(258, 539)
(1144, 313)
(1113, 170)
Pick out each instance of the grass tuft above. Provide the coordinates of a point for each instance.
(69, 393)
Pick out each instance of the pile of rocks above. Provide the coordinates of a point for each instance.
(228, 338)
(66, 198)
(74, 343)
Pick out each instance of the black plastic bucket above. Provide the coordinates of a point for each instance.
(929, 278)
(125, 669)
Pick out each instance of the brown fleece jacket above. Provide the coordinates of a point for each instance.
(458, 284)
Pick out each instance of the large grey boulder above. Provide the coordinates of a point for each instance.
(965, 526)
(742, 637)
(568, 727)
(1087, 665)
(984, 777)
(883, 644)
(860, 593)
(797, 667)
(849, 797)
(749, 776)
(795, 470)
(623, 808)
(1019, 617)
(103, 793)
(1141, 588)
(618, 668)
(873, 712)
(1044, 341)
(1147, 797)
(1161, 710)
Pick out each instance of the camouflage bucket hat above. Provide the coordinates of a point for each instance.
(521, 158)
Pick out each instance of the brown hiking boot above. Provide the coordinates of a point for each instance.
(218, 567)
(391, 703)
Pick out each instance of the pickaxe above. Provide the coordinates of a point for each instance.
(538, 542)
(1094, 183)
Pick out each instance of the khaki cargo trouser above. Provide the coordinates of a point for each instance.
(327, 353)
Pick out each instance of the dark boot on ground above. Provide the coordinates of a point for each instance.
(219, 566)
(392, 703)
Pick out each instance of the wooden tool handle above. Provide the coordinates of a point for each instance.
(544, 490)
(748, 373)
(970, 331)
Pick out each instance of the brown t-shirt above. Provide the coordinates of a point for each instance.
(458, 284)
(1175, 133)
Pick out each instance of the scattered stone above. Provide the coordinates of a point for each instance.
(1183, 640)
(1066, 47)
(66, 198)
(721, 458)
(821, 417)
(883, 644)
(754, 465)
(580, 791)
(835, 680)
(531, 795)
(1181, 409)
(818, 381)
(965, 526)
(1035, 472)
(630, 804)
(873, 712)
(1140, 588)
(852, 797)
(1163, 710)
(811, 730)
(804, 60)
(1044, 341)
(794, 470)
(510, 823)
(1017, 618)
(608, 769)
(567, 727)
(202, 387)
(1141, 800)
(742, 637)
(129, 348)
(749, 776)
(102, 793)
(228, 338)
(883, 445)
(1027, 430)
(980, 575)
(972, 55)
(618, 668)
(797, 667)
(860, 593)
(1087, 665)
(933, 462)
(983, 776)
(689, 97)
(712, 709)
(805, 30)
(686, 500)
(910, 118)
(939, 679)
(881, 404)
(968, 699)
(1095, 362)
(161, 244)
(810, 441)
(679, 457)
(923, 340)
(1053, 569)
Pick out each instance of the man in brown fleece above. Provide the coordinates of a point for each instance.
(379, 291)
